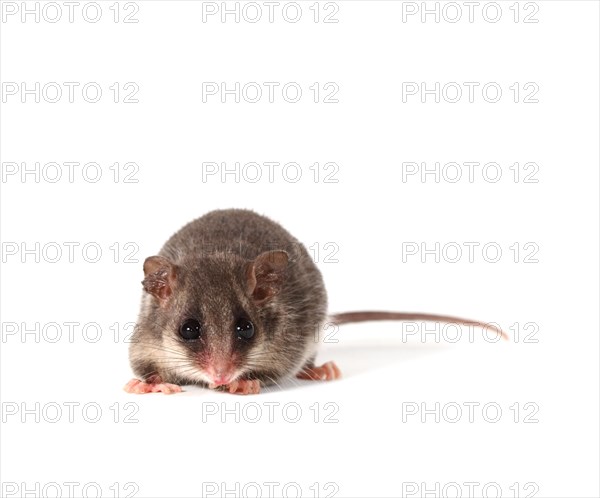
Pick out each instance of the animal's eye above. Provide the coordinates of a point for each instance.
(190, 329)
(244, 329)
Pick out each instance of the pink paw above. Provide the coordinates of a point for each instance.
(327, 371)
(136, 386)
(244, 387)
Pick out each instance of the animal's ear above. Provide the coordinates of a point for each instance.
(160, 277)
(265, 275)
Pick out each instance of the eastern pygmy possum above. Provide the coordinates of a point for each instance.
(233, 302)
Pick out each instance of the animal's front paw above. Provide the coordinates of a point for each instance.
(136, 386)
(327, 371)
(243, 387)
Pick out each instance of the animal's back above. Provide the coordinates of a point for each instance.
(239, 231)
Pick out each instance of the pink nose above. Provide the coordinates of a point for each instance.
(220, 373)
(220, 380)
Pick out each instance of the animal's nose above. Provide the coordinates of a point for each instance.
(220, 372)
(220, 379)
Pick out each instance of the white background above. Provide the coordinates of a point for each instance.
(368, 214)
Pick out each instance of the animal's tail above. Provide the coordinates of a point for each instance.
(369, 316)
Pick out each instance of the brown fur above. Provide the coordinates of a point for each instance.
(216, 269)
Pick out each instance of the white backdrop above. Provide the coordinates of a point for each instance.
(437, 157)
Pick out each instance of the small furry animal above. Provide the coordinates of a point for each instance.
(233, 301)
